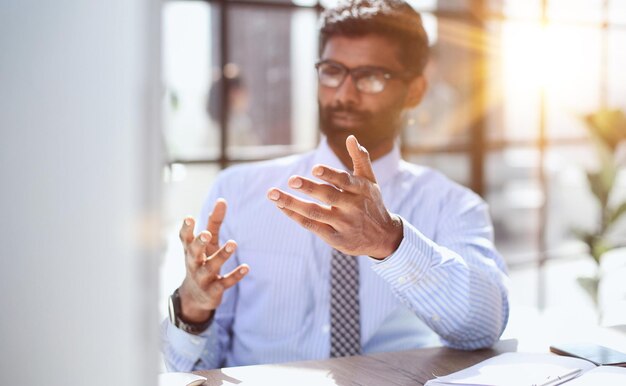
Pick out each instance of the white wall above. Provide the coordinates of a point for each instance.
(79, 192)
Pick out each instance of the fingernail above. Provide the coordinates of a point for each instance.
(187, 222)
(243, 271)
(295, 182)
(318, 171)
(203, 238)
(229, 248)
(361, 148)
(274, 195)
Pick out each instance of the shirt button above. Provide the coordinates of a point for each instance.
(195, 341)
(435, 318)
(402, 280)
(325, 328)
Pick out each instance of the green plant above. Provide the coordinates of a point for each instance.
(607, 129)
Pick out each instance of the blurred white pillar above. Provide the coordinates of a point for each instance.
(304, 79)
(79, 192)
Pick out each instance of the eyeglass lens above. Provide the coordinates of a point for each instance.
(366, 80)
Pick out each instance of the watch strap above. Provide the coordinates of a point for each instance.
(175, 314)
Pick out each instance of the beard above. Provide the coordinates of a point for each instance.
(338, 121)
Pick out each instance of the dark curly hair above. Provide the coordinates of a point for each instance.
(394, 19)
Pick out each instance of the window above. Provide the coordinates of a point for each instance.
(508, 83)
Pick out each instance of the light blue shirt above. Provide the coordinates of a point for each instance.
(445, 279)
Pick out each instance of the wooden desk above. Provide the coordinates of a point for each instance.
(396, 368)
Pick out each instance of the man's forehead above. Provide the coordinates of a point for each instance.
(366, 50)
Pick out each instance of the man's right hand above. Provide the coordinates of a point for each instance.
(202, 289)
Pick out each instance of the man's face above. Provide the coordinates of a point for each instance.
(344, 110)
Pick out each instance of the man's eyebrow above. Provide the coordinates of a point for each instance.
(365, 67)
(368, 67)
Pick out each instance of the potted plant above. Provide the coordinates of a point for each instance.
(607, 128)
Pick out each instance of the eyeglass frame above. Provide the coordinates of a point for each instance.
(387, 74)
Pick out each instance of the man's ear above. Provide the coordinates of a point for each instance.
(417, 89)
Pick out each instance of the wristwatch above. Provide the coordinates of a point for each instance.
(175, 312)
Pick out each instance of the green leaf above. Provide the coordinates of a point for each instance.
(601, 185)
(598, 248)
(617, 213)
(608, 126)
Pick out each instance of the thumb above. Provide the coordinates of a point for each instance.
(360, 159)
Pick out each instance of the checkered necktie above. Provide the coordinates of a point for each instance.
(345, 328)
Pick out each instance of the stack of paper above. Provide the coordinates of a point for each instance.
(526, 369)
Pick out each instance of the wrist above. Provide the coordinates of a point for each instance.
(190, 311)
(178, 319)
(392, 238)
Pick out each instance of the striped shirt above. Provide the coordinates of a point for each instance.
(444, 282)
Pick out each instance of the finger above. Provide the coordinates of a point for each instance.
(214, 262)
(327, 194)
(360, 159)
(339, 178)
(197, 247)
(324, 231)
(217, 287)
(215, 220)
(186, 230)
(307, 209)
(235, 276)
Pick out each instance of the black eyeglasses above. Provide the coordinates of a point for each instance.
(367, 79)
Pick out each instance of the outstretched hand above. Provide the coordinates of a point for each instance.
(203, 287)
(354, 219)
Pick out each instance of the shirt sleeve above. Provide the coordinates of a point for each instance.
(188, 352)
(456, 284)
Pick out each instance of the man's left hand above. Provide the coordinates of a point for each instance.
(354, 219)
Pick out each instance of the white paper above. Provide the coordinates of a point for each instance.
(514, 369)
(603, 375)
(180, 379)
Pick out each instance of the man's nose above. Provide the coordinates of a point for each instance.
(347, 93)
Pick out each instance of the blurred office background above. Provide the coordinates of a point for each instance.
(510, 83)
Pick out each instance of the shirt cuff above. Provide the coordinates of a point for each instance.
(188, 345)
(408, 264)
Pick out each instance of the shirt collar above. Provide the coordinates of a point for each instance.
(384, 168)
